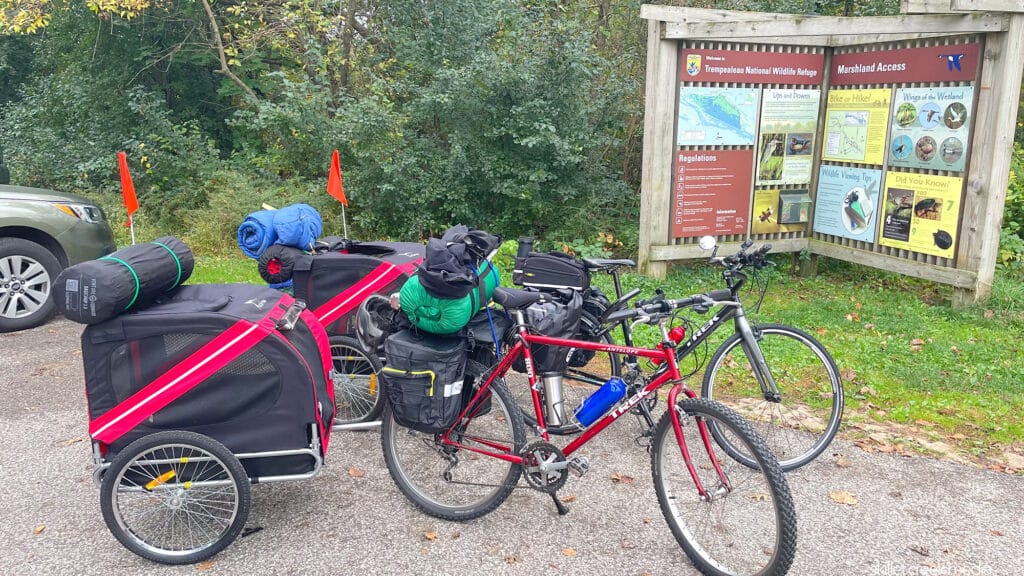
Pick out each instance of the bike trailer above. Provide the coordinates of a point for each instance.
(424, 375)
(242, 364)
(333, 284)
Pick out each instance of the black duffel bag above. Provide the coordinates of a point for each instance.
(558, 317)
(424, 375)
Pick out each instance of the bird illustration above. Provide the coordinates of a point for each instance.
(766, 215)
(798, 144)
(955, 116)
(931, 114)
(900, 147)
(952, 61)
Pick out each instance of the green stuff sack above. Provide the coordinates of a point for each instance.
(446, 315)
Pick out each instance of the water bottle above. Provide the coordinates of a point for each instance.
(600, 401)
(525, 246)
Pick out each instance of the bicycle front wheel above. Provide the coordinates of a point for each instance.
(451, 482)
(800, 421)
(744, 526)
(357, 393)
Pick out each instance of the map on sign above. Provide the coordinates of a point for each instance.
(711, 116)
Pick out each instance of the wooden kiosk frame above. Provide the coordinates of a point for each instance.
(997, 26)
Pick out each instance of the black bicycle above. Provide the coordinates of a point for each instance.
(778, 377)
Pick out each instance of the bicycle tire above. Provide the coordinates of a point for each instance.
(178, 518)
(803, 423)
(747, 528)
(358, 396)
(477, 484)
(578, 382)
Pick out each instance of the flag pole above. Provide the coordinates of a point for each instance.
(344, 222)
(131, 227)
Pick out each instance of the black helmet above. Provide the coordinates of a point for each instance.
(374, 322)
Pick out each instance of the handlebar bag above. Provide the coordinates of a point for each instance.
(423, 376)
(550, 270)
(560, 319)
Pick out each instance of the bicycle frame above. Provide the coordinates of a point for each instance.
(668, 373)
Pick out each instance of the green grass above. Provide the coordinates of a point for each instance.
(905, 354)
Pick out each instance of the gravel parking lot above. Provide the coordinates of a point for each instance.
(911, 516)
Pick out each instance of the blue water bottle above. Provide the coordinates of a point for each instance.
(600, 401)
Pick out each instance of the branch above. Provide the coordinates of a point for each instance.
(224, 69)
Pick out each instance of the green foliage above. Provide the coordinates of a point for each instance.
(1011, 240)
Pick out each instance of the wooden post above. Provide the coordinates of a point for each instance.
(659, 128)
(992, 149)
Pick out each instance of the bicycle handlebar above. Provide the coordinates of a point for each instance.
(659, 306)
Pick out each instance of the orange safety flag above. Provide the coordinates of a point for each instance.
(131, 203)
(334, 185)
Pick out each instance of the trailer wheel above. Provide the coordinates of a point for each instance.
(175, 497)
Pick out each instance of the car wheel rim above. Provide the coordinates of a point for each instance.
(24, 286)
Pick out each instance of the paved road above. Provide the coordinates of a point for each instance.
(913, 516)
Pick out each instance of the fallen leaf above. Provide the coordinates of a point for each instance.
(989, 313)
(456, 535)
(916, 344)
(647, 520)
(853, 317)
(922, 550)
(568, 552)
(849, 376)
(205, 564)
(622, 478)
(71, 441)
(867, 391)
(512, 559)
(954, 349)
(424, 551)
(995, 533)
(843, 497)
(760, 497)
(39, 529)
(569, 498)
(842, 461)
(869, 326)
(627, 545)
(924, 423)
(356, 473)
(430, 535)
(821, 330)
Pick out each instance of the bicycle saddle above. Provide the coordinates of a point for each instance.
(512, 299)
(606, 264)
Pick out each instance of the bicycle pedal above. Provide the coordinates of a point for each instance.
(579, 466)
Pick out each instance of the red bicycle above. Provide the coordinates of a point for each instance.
(729, 518)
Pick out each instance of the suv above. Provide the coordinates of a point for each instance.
(41, 233)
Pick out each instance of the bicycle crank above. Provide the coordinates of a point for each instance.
(544, 467)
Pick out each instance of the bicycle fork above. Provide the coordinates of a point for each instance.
(752, 349)
(705, 435)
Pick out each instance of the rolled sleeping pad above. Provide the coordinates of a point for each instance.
(446, 315)
(256, 233)
(130, 278)
(298, 225)
(277, 263)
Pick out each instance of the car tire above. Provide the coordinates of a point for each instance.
(27, 274)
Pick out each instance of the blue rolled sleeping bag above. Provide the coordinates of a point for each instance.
(256, 233)
(298, 225)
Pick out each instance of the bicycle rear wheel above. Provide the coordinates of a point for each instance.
(450, 482)
(747, 527)
(357, 386)
(798, 424)
(587, 370)
(175, 497)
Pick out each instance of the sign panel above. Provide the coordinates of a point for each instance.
(930, 127)
(786, 146)
(847, 202)
(751, 67)
(856, 124)
(921, 213)
(777, 210)
(956, 63)
(717, 116)
(711, 192)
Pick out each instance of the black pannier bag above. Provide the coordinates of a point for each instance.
(333, 284)
(559, 317)
(596, 304)
(217, 360)
(129, 279)
(423, 375)
(550, 270)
